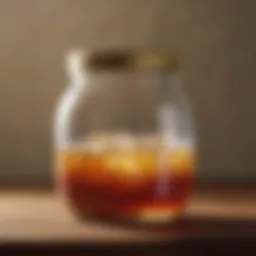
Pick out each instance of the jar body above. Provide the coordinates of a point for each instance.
(125, 146)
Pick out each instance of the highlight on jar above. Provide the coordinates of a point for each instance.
(123, 177)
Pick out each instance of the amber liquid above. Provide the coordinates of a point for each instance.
(137, 184)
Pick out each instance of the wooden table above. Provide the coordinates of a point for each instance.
(40, 217)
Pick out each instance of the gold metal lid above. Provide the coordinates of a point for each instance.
(104, 60)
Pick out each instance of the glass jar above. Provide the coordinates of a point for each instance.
(124, 137)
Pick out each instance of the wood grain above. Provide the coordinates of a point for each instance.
(41, 216)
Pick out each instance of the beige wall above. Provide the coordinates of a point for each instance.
(217, 41)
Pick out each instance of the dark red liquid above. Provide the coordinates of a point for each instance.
(127, 184)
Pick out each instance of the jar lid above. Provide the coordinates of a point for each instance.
(100, 60)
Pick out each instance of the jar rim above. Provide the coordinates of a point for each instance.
(130, 59)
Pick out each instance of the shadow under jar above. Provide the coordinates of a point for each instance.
(124, 137)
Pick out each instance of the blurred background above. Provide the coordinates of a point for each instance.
(217, 42)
